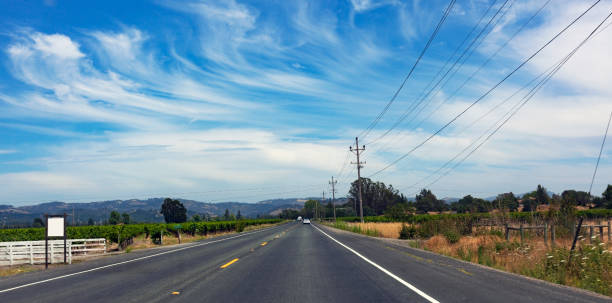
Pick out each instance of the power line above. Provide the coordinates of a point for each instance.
(452, 95)
(489, 129)
(600, 150)
(488, 92)
(424, 97)
(386, 108)
(528, 97)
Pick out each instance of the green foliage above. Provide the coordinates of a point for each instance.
(452, 236)
(506, 202)
(38, 222)
(377, 197)
(407, 232)
(125, 218)
(517, 216)
(427, 201)
(114, 218)
(113, 232)
(471, 204)
(240, 225)
(541, 195)
(174, 211)
(589, 269)
(483, 257)
(400, 212)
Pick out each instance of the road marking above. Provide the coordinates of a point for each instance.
(412, 287)
(175, 292)
(128, 261)
(264, 243)
(229, 263)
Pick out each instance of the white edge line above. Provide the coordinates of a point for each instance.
(124, 262)
(412, 287)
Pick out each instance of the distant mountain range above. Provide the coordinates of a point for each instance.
(141, 210)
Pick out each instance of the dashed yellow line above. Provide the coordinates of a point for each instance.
(175, 292)
(229, 263)
(264, 243)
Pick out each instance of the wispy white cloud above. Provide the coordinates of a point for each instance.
(254, 95)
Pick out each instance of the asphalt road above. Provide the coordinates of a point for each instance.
(288, 263)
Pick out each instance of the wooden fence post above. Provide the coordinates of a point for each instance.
(601, 238)
(609, 233)
(508, 233)
(10, 251)
(552, 235)
(522, 233)
(591, 234)
(546, 234)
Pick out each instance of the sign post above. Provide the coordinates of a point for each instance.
(55, 226)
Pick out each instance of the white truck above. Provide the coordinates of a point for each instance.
(299, 218)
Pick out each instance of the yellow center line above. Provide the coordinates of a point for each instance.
(175, 292)
(229, 263)
(264, 243)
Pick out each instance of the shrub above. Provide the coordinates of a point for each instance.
(452, 237)
(240, 226)
(407, 232)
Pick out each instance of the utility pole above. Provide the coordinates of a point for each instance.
(356, 151)
(323, 204)
(333, 185)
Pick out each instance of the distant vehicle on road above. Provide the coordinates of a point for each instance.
(299, 218)
(306, 221)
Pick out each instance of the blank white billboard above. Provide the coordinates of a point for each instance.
(55, 226)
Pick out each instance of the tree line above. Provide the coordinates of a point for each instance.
(380, 199)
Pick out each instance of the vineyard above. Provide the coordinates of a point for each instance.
(121, 233)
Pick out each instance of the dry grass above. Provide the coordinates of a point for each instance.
(591, 268)
(386, 230)
(6, 271)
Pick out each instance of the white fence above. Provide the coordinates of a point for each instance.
(33, 252)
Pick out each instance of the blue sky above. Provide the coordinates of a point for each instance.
(251, 100)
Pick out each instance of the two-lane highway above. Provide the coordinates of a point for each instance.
(288, 263)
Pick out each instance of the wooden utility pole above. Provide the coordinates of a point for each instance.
(323, 206)
(356, 151)
(333, 185)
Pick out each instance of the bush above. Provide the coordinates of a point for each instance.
(240, 226)
(407, 232)
(452, 237)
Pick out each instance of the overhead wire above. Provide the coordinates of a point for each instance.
(467, 80)
(486, 62)
(527, 98)
(373, 124)
(420, 100)
(600, 151)
(488, 91)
